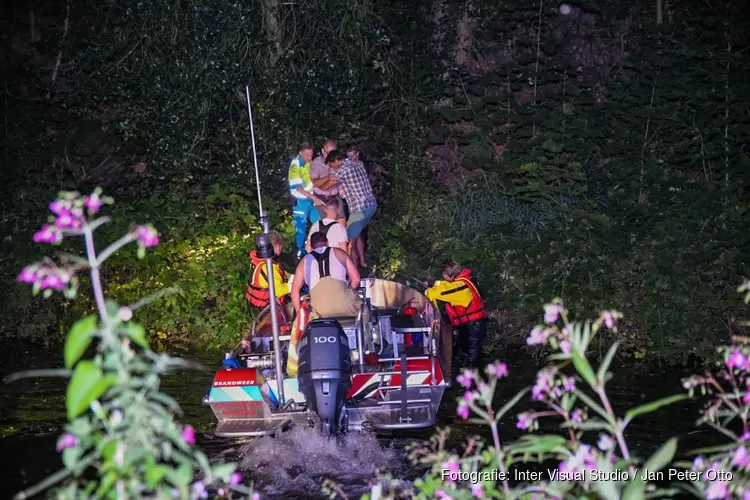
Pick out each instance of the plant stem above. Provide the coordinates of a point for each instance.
(96, 280)
(617, 428)
(115, 246)
(500, 464)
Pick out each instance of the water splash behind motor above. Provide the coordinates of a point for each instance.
(297, 463)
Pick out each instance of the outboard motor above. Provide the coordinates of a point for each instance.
(325, 371)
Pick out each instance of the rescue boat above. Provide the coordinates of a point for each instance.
(384, 370)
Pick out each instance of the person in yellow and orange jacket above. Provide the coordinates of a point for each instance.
(464, 307)
(257, 294)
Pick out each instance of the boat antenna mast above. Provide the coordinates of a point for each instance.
(264, 247)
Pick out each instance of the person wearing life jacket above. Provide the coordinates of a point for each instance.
(331, 227)
(464, 308)
(257, 294)
(325, 270)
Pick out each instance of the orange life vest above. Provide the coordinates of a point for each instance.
(475, 311)
(258, 295)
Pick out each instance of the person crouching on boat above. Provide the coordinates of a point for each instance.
(257, 294)
(464, 307)
(325, 272)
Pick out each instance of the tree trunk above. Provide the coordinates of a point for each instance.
(272, 28)
(659, 13)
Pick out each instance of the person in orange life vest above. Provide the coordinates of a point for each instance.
(464, 308)
(257, 294)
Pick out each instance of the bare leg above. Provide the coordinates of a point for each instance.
(353, 253)
(359, 243)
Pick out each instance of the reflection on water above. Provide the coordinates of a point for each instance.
(296, 464)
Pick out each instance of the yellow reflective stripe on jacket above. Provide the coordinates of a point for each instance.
(281, 287)
(456, 293)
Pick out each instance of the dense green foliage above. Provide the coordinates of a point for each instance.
(122, 439)
(592, 155)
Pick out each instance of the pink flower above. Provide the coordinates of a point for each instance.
(188, 435)
(60, 207)
(125, 313)
(537, 337)
(577, 416)
(465, 379)
(52, 281)
(717, 490)
(451, 469)
(67, 221)
(698, 464)
(605, 442)
(565, 347)
(256, 496)
(569, 384)
(477, 490)
(525, 421)
(464, 409)
(148, 236)
(746, 398)
(67, 440)
(609, 319)
(746, 495)
(745, 436)
(200, 489)
(737, 360)
(552, 313)
(93, 203)
(235, 478)
(741, 458)
(48, 234)
(498, 370)
(27, 276)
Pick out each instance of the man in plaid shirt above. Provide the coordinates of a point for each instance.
(355, 188)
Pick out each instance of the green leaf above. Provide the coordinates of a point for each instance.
(79, 339)
(112, 309)
(653, 406)
(510, 404)
(588, 425)
(583, 367)
(713, 449)
(182, 476)
(662, 457)
(137, 334)
(537, 444)
(108, 448)
(593, 405)
(154, 474)
(635, 490)
(85, 387)
(106, 484)
(602, 372)
(223, 471)
(70, 457)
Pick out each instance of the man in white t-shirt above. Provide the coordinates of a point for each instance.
(334, 231)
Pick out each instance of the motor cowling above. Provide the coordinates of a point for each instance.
(325, 371)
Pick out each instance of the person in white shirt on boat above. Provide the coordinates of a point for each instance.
(334, 230)
(325, 271)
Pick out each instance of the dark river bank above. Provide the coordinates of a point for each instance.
(295, 465)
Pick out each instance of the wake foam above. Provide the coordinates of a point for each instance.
(297, 463)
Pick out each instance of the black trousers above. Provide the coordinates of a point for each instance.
(470, 339)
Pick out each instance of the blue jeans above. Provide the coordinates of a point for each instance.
(303, 210)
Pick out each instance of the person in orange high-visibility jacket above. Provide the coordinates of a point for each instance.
(464, 307)
(257, 294)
